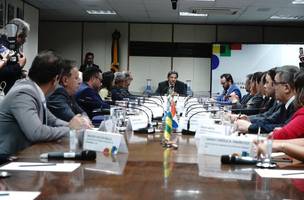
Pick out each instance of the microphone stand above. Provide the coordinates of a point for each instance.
(149, 128)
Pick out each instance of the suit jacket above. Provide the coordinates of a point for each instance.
(163, 87)
(118, 93)
(251, 107)
(83, 67)
(224, 97)
(21, 119)
(277, 119)
(88, 99)
(62, 105)
(273, 109)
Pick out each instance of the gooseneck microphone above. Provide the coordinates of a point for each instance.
(188, 132)
(83, 155)
(233, 159)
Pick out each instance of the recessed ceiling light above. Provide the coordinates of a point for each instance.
(101, 12)
(190, 14)
(282, 17)
(298, 2)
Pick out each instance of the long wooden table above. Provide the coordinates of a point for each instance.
(150, 172)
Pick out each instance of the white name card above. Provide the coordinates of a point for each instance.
(217, 144)
(209, 127)
(138, 122)
(101, 141)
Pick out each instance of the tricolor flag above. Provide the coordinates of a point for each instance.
(173, 113)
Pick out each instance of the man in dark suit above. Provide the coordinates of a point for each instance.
(88, 62)
(285, 93)
(172, 86)
(62, 102)
(87, 96)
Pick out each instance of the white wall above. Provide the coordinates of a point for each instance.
(97, 38)
(143, 68)
(30, 48)
(195, 69)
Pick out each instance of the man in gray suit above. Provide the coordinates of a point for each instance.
(24, 118)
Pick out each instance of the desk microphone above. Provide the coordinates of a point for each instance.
(83, 155)
(232, 159)
(149, 128)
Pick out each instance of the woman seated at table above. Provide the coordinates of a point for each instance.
(293, 148)
(295, 128)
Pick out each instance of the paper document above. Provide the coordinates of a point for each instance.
(279, 173)
(48, 167)
(18, 195)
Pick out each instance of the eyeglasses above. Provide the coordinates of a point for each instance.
(279, 83)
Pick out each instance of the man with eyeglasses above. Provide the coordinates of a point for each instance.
(285, 93)
(87, 96)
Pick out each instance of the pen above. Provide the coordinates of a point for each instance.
(38, 165)
(4, 194)
(296, 173)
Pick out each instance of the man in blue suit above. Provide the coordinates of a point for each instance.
(229, 87)
(87, 96)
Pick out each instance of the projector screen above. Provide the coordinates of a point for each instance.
(242, 59)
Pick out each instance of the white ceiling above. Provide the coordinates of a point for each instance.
(248, 11)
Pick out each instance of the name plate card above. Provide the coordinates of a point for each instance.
(104, 141)
(209, 127)
(218, 145)
(138, 122)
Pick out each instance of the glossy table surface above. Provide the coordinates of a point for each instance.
(149, 171)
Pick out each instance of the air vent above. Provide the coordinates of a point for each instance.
(216, 11)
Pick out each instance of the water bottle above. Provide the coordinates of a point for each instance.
(148, 91)
(189, 90)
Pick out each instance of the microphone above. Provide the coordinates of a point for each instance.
(152, 101)
(83, 155)
(149, 128)
(193, 107)
(188, 132)
(236, 160)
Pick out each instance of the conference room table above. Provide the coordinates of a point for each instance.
(150, 171)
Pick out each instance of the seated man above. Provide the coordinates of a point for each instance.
(229, 88)
(285, 93)
(62, 102)
(270, 93)
(253, 105)
(172, 86)
(87, 96)
(24, 118)
(120, 90)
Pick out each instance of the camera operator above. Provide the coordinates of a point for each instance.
(12, 70)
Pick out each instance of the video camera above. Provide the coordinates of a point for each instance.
(9, 42)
